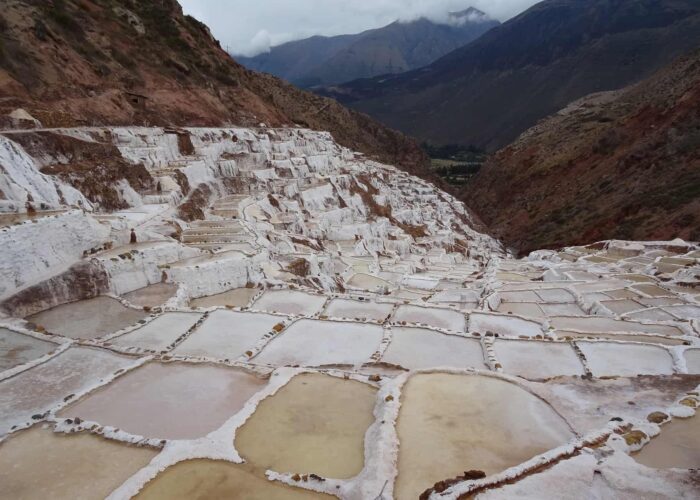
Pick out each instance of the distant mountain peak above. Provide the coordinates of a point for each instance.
(470, 14)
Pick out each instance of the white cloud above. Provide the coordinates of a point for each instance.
(248, 27)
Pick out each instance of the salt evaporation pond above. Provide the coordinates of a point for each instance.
(626, 360)
(432, 316)
(151, 295)
(289, 302)
(314, 424)
(537, 360)
(317, 343)
(416, 348)
(238, 297)
(210, 479)
(449, 424)
(88, 319)
(692, 360)
(39, 389)
(355, 309)
(159, 333)
(678, 446)
(17, 349)
(227, 334)
(169, 401)
(37, 463)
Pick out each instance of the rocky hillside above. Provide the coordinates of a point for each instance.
(620, 165)
(116, 62)
(490, 91)
(395, 48)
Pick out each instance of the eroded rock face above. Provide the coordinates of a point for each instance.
(83, 280)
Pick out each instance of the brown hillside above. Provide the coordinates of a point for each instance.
(131, 62)
(622, 164)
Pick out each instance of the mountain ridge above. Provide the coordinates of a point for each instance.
(488, 92)
(394, 48)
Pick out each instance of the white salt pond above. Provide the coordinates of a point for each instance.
(692, 360)
(159, 333)
(36, 463)
(152, 295)
(227, 334)
(212, 479)
(17, 349)
(316, 343)
(355, 309)
(169, 401)
(595, 324)
(38, 389)
(626, 360)
(416, 348)
(289, 302)
(87, 319)
(649, 339)
(537, 360)
(238, 297)
(449, 424)
(432, 316)
(503, 325)
(314, 424)
(367, 282)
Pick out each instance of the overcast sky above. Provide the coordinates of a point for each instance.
(248, 27)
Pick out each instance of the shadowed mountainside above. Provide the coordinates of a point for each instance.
(623, 164)
(490, 91)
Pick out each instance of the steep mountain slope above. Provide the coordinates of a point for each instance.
(84, 62)
(490, 91)
(395, 48)
(622, 164)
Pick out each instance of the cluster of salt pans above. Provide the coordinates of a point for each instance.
(333, 327)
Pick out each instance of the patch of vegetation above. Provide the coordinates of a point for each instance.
(454, 163)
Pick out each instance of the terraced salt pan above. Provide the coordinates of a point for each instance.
(44, 386)
(88, 319)
(17, 349)
(36, 463)
(152, 295)
(367, 282)
(596, 324)
(159, 333)
(317, 343)
(692, 360)
(169, 401)
(433, 316)
(314, 424)
(568, 309)
(355, 309)
(211, 479)
(622, 306)
(416, 348)
(449, 424)
(529, 309)
(654, 314)
(238, 297)
(537, 360)
(684, 312)
(503, 325)
(678, 446)
(227, 334)
(589, 404)
(650, 339)
(289, 302)
(626, 360)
